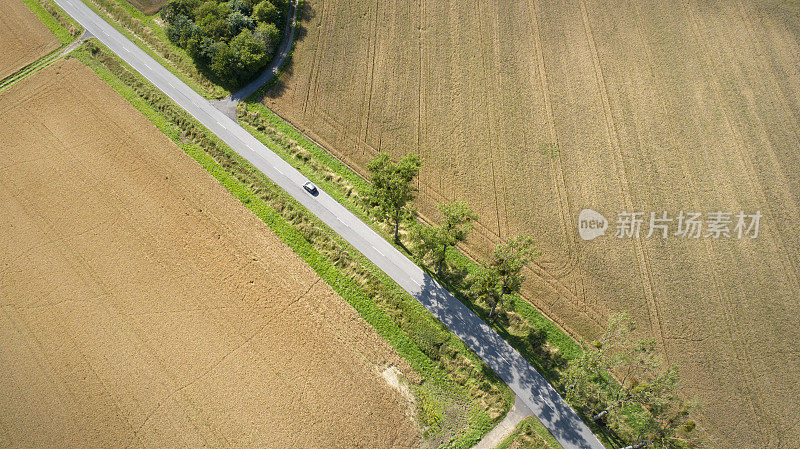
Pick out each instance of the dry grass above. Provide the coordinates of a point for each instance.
(23, 38)
(148, 6)
(142, 305)
(688, 106)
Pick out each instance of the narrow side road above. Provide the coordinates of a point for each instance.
(532, 389)
(228, 104)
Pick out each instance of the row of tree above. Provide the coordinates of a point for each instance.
(230, 41)
(618, 379)
(390, 199)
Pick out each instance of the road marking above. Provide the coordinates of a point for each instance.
(379, 252)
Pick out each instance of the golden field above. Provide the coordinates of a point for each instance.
(142, 305)
(652, 106)
(23, 37)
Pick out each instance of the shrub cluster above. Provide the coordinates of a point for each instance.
(232, 41)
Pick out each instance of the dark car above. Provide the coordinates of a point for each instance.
(310, 188)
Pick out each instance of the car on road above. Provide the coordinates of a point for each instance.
(310, 188)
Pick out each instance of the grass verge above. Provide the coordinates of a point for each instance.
(63, 27)
(530, 434)
(459, 398)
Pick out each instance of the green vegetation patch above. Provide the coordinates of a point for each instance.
(231, 42)
(530, 434)
(147, 33)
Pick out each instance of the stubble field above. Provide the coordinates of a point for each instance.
(532, 111)
(23, 37)
(142, 305)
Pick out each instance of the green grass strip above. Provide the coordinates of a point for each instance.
(536, 434)
(49, 21)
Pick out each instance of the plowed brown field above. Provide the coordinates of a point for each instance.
(23, 38)
(653, 106)
(142, 305)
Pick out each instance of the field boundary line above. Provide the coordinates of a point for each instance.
(492, 120)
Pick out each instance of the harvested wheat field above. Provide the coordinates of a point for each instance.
(23, 37)
(142, 305)
(532, 111)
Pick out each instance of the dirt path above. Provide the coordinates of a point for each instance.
(514, 416)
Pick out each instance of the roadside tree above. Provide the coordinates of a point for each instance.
(392, 189)
(433, 241)
(621, 381)
(501, 276)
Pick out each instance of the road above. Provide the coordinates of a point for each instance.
(515, 371)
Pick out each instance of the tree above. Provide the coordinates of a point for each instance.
(454, 228)
(487, 284)
(181, 30)
(584, 383)
(250, 54)
(504, 270)
(243, 6)
(215, 28)
(509, 259)
(238, 22)
(392, 189)
(266, 12)
(622, 377)
(268, 34)
(222, 61)
(175, 8)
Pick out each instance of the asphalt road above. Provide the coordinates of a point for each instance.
(523, 379)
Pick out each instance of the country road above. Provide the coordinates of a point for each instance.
(520, 376)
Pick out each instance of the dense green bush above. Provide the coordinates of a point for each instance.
(230, 41)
